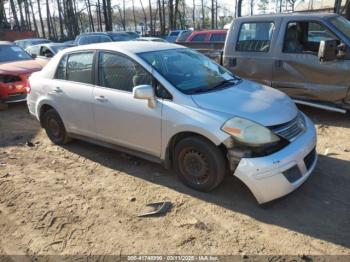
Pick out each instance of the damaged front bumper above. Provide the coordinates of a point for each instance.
(273, 176)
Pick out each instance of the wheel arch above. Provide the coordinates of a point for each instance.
(177, 137)
(43, 106)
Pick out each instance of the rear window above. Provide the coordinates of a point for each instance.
(91, 39)
(11, 53)
(121, 37)
(198, 38)
(218, 37)
(175, 33)
(255, 37)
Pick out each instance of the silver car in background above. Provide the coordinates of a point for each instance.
(172, 105)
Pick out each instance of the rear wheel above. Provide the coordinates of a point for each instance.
(54, 127)
(199, 163)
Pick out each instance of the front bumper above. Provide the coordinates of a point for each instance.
(280, 173)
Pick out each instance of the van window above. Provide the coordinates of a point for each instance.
(255, 37)
(118, 72)
(218, 37)
(304, 37)
(199, 38)
(79, 67)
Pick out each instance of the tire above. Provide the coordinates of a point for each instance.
(199, 163)
(54, 127)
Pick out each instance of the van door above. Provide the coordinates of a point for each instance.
(297, 69)
(248, 50)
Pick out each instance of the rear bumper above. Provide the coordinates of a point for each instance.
(280, 173)
(14, 98)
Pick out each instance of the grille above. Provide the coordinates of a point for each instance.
(292, 129)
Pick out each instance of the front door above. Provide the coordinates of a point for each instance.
(297, 69)
(119, 118)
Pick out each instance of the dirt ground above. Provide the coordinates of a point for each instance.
(84, 199)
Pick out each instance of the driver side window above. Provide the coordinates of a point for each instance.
(305, 37)
(118, 72)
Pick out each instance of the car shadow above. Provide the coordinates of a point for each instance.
(17, 126)
(317, 209)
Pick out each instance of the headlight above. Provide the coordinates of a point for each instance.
(249, 132)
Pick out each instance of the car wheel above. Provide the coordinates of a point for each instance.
(54, 127)
(199, 163)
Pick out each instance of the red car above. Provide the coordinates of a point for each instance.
(16, 65)
(208, 36)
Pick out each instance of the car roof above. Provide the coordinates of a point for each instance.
(92, 33)
(32, 39)
(210, 31)
(50, 44)
(6, 43)
(127, 46)
(301, 15)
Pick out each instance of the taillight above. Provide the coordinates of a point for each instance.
(28, 88)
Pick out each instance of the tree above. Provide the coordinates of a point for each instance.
(41, 19)
(239, 8)
(14, 13)
(33, 15)
(263, 5)
(3, 20)
(347, 10)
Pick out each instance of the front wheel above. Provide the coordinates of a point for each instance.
(54, 127)
(199, 163)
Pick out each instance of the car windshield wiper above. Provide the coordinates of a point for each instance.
(222, 84)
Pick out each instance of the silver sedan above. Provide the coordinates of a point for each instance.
(172, 105)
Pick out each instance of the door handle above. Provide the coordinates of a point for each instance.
(57, 90)
(101, 98)
(278, 63)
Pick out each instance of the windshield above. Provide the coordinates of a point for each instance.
(341, 24)
(189, 71)
(9, 53)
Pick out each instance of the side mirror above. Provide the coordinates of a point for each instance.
(33, 56)
(342, 49)
(328, 50)
(48, 55)
(145, 92)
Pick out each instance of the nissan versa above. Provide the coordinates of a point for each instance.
(170, 104)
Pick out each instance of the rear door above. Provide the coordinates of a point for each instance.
(71, 90)
(249, 48)
(297, 69)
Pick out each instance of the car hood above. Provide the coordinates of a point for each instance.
(261, 104)
(21, 67)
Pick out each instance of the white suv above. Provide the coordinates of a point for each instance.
(172, 105)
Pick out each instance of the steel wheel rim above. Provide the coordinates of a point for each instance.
(194, 166)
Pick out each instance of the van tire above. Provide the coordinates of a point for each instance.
(199, 163)
(54, 127)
